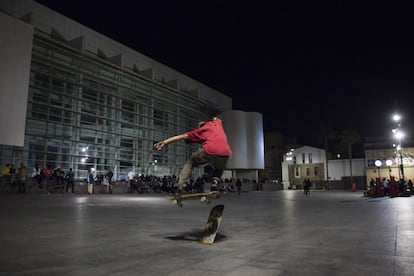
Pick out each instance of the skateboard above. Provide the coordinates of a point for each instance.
(203, 197)
(213, 224)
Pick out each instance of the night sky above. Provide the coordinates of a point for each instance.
(302, 66)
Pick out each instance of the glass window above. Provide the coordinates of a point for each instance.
(297, 172)
(310, 158)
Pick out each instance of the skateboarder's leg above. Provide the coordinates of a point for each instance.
(198, 158)
(219, 163)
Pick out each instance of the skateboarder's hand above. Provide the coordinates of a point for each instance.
(159, 145)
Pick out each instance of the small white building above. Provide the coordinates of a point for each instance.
(310, 162)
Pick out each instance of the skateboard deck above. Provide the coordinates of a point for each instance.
(213, 224)
(203, 197)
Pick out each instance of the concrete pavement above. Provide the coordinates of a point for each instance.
(262, 233)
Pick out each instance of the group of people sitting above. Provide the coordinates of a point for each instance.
(389, 187)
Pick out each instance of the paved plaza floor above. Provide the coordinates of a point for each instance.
(262, 233)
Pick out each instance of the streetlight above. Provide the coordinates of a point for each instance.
(397, 118)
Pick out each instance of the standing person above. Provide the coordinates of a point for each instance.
(132, 182)
(6, 170)
(70, 181)
(48, 174)
(199, 185)
(238, 186)
(105, 183)
(36, 175)
(60, 177)
(22, 175)
(5, 173)
(12, 174)
(110, 174)
(215, 150)
(354, 187)
(372, 183)
(386, 186)
(91, 181)
(410, 185)
(306, 186)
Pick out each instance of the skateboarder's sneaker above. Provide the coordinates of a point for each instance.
(215, 184)
(180, 186)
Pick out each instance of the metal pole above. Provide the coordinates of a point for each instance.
(401, 165)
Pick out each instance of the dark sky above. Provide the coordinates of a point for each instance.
(302, 66)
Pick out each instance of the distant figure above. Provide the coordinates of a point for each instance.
(410, 186)
(91, 181)
(110, 174)
(372, 184)
(22, 176)
(36, 175)
(12, 175)
(199, 185)
(133, 185)
(70, 181)
(386, 186)
(354, 187)
(105, 183)
(6, 173)
(306, 186)
(6, 170)
(239, 186)
(48, 175)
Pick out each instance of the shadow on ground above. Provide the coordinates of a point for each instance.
(194, 235)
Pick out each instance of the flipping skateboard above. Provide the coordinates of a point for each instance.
(213, 224)
(203, 197)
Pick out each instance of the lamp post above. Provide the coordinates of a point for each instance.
(389, 163)
(378, 187)
(398, 134)
(378, 164)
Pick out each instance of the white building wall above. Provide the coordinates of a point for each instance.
(340, 168)
(15, 55)
(245, 135)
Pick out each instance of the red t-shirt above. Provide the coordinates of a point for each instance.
(213, 138)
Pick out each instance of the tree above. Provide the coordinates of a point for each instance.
(349, 137)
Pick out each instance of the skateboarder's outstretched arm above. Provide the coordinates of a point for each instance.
(172, 139)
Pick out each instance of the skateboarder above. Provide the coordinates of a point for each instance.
(215, 150)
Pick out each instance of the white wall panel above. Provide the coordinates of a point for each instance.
(245, 135)
(16, 38)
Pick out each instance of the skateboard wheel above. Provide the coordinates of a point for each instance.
(174, 201)
(203, 198)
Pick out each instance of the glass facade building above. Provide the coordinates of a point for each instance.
(85, 111)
